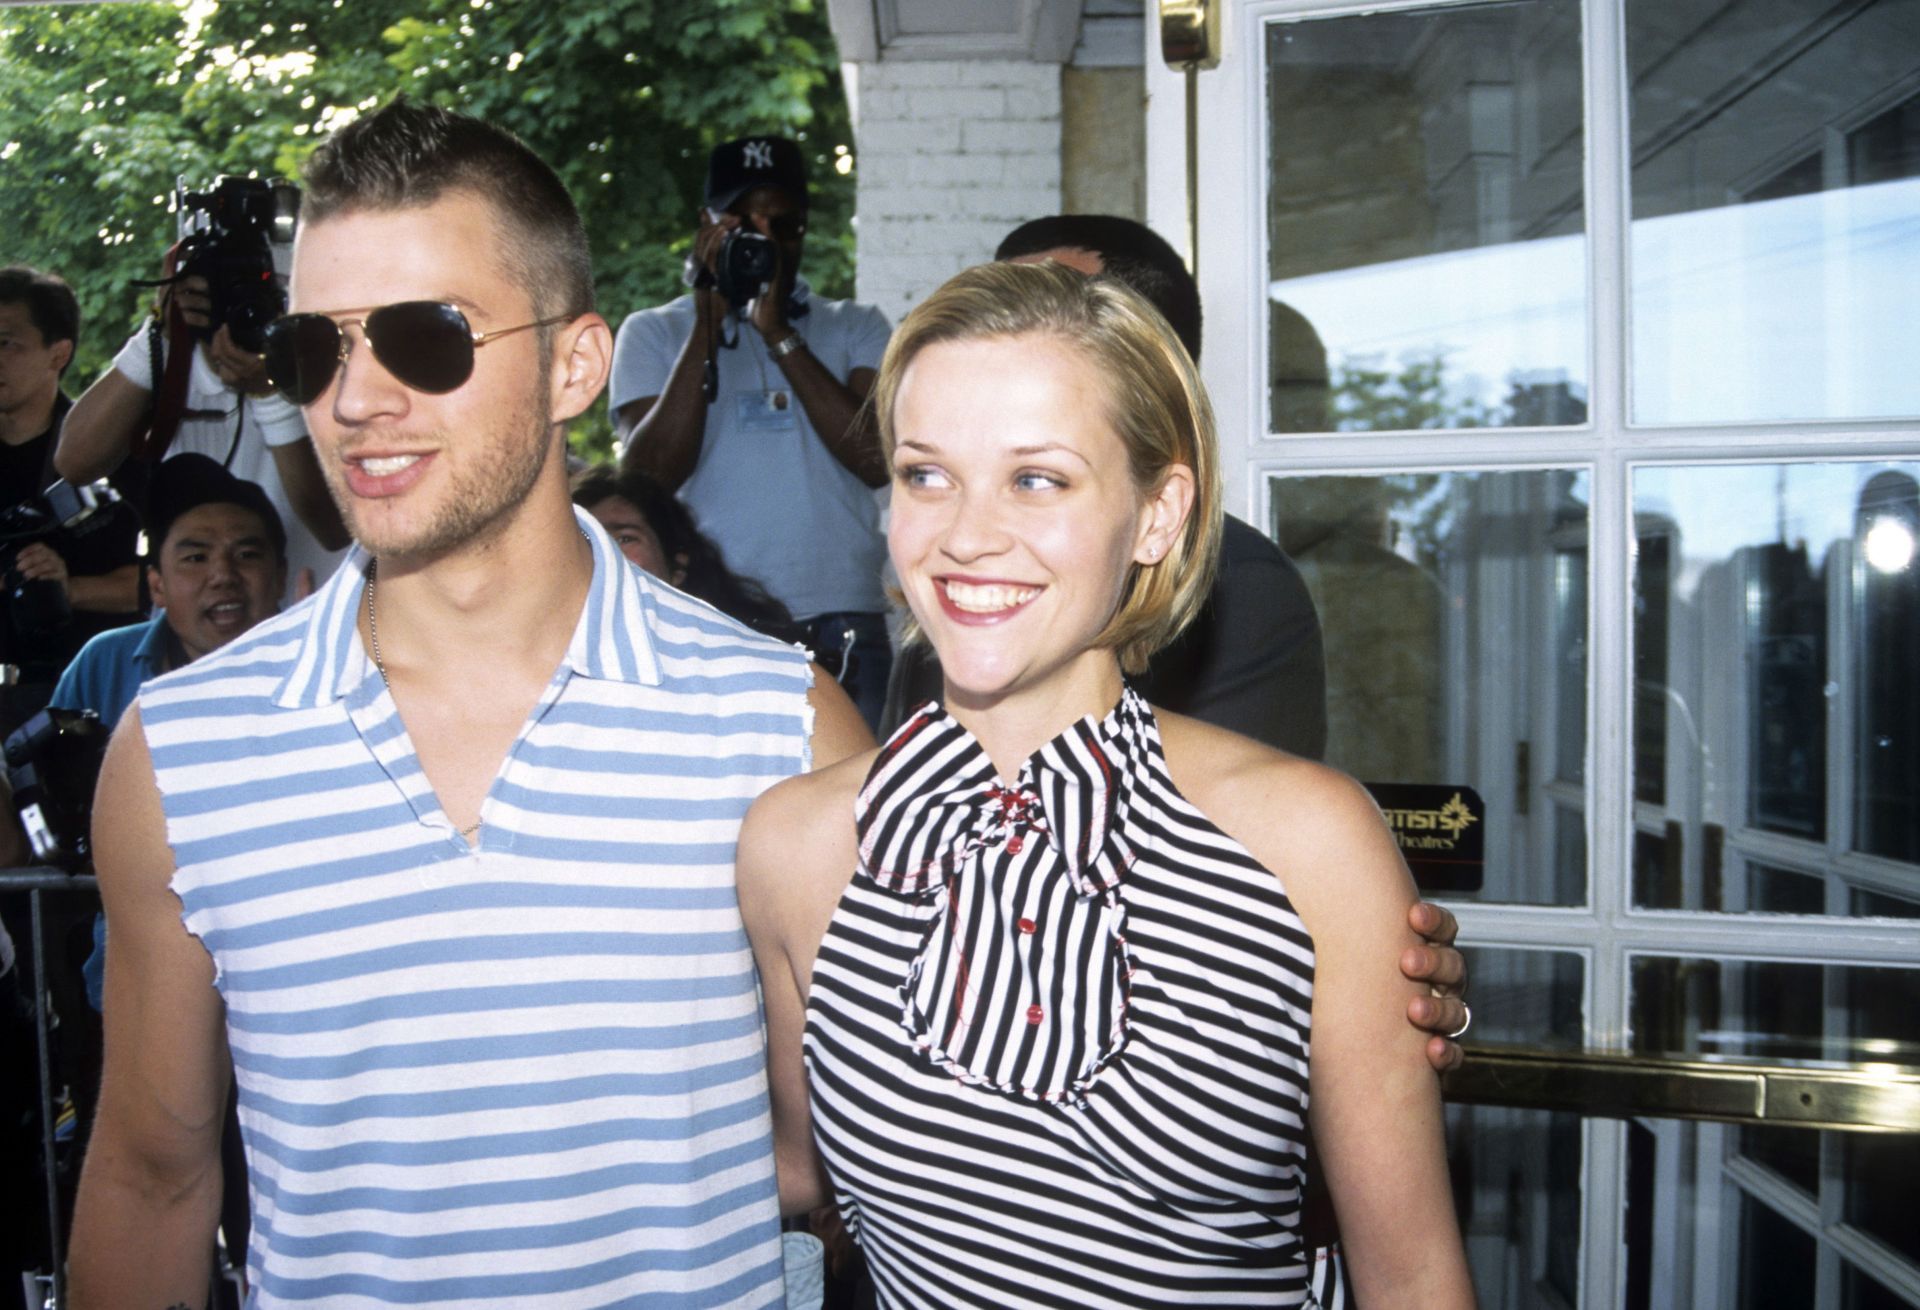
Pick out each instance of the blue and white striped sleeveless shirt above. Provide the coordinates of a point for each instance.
(1058, 1035)
(527, 1072)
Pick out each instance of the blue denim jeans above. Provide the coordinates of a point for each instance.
(857, 643)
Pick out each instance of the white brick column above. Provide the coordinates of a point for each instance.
(952, 155)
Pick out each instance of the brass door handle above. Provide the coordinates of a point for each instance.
(1864, 1098)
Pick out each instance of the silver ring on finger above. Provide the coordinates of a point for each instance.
(1465, 1023)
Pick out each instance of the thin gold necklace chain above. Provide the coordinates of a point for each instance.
(373, 636)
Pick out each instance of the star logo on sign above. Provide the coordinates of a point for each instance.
(1455, 816)
(759, 154)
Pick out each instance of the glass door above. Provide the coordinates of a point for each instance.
(1568, 349)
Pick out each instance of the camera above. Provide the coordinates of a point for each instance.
(53, 762)
(227, 236)
(745, 264)
(39, 606)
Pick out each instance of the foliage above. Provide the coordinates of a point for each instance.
(103, 107)
(1370, 396)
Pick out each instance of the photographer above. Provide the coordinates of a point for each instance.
(227, 412)
(745, 397)
(71, 582)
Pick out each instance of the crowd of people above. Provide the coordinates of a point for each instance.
(498, 853)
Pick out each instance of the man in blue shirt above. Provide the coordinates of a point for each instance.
(217, 569)
(216, 565)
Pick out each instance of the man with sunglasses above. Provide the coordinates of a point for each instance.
(444, 858)
(753, 415)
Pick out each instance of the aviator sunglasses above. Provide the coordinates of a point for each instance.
(426, 344)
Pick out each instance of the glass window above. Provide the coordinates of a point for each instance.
(1775, 177)
(1517, 1172)
(1427, 248)
(1778, 1261)
(1775, 1009)
(1453, 653)
(1777, 664)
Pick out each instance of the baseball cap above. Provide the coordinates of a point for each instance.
(186, 482)
(737, 167)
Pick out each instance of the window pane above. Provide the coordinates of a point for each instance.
(1527, 998)
(1859, 1292)
(1776, 1010)
(1768, 599)
(1776, 175)
(1777, 1260)
(1517, 1172)
(1887, 602)
(1793, 1153)
(1883, 1188)
(1426, 220)
(1449, 655)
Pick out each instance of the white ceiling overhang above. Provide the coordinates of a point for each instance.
(870, 31)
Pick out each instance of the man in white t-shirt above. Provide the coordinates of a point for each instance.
(751, 413)
(232, 416)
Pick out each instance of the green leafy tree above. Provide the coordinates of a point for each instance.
(103, 107)
(1369, 395)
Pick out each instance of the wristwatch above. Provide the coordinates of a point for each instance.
(787, 346)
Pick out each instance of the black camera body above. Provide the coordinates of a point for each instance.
(53, 762)
(39, 606)
(228, 234)
(745, 263)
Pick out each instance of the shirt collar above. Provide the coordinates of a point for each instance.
(612, 638)
(151, 653)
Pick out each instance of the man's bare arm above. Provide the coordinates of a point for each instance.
(839, 413)
(664, 433)
(150, 1191)
(99, 429)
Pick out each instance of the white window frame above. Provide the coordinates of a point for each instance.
(1231, 241)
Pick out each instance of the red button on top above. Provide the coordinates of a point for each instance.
(1015, 845)
(1026, 925)
(1035, 1014)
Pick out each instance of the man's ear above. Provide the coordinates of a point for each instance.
(62, 355)
(582, 359)
(156, 587)
(679, 572)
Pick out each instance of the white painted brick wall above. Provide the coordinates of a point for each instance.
(952, 156)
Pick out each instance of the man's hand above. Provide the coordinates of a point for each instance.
(191, 296)
(707, 239)
(1436, 963)
(42, 563)
(242, 370)
(769, 308)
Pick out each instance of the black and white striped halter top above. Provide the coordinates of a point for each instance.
(1058, 1034)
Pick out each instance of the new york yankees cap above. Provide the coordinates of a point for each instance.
(737, 167)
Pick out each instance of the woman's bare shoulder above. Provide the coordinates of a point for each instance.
(1227, 775)
(1310, 824)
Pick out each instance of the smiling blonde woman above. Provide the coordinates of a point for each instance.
(1057, 981)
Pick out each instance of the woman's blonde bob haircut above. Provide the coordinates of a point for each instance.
(1154, 402)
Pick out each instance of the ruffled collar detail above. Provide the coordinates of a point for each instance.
(1022, 980)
